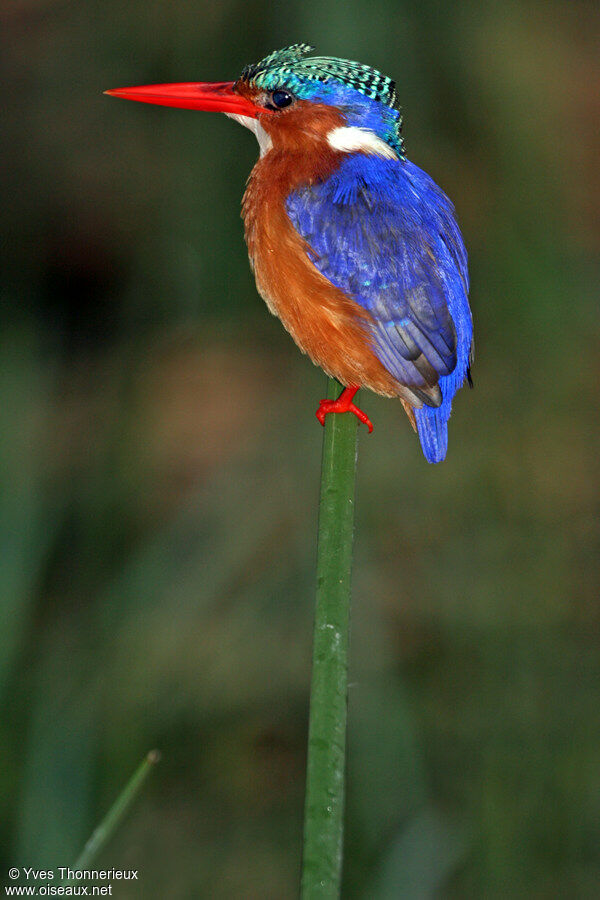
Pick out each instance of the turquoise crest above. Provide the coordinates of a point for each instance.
(291, 68)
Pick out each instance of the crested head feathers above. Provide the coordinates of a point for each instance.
(293, 69)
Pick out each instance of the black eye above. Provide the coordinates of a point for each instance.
(279, 100)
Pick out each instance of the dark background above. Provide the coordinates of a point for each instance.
(160, 461)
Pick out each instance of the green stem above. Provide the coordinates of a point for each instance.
(325, 779)
(112, 819)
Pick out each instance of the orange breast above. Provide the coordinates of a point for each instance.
(324, 322)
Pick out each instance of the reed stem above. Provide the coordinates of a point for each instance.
(112, 819)
(325, 779)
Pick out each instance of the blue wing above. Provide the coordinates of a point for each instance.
(384, 233)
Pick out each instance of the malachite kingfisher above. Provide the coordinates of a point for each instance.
(353, 247)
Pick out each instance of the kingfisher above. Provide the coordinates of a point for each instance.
(353, 247)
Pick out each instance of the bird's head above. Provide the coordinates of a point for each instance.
(297, 102)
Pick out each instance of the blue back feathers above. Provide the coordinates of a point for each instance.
(384, 233)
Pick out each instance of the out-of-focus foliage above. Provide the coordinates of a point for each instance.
(160, 462)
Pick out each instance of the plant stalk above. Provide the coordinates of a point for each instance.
(325, 779)
(112, 819)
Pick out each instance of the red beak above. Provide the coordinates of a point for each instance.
(215, 97)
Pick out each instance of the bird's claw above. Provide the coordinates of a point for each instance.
(340, 406)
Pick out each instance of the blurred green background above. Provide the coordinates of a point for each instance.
(159, 458)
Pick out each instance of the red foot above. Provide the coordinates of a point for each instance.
(341, 405)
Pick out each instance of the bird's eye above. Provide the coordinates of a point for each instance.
(279, 100)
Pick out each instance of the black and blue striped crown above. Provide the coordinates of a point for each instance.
(291, 67)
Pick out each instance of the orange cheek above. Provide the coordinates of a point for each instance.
(302, 127)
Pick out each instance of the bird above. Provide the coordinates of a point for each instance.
(355, 248)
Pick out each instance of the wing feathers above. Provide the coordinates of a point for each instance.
(384, 233)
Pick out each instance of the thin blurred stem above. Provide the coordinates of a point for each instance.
(113, 818)
(325, 780)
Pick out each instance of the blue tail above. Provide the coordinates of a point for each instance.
(432, 422)
(432, 426)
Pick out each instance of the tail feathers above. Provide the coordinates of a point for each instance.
(432, 428)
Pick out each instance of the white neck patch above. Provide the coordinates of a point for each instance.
(264, 140)
(349, 139)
